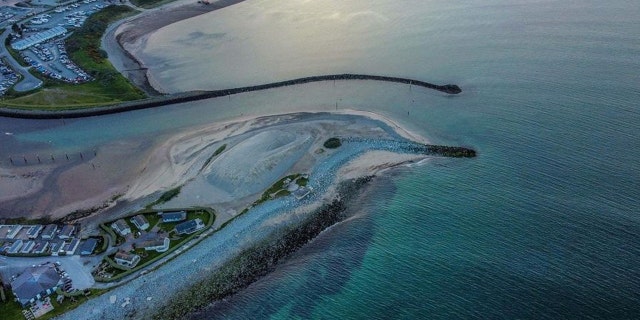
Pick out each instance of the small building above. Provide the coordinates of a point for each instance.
(121, 227)
(56, 246)
(40, 247)
(3, 231)
(127, 259)
(174, 216)
(66, 231)
(70, 247)
(158, 244)
(34, 231)
(5, 247)
(35, 283)
(140, 222)
(190, 226)
(26, 248)
(88, 246)
(15, 247)
(49, 231)
(13, 231)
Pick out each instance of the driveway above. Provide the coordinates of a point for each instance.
(28, 82)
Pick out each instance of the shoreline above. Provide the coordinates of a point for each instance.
(131, 33)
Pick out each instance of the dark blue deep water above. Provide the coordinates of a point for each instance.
(545, 223)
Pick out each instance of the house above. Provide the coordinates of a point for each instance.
(55, 247)
(189, 227)
(174, 216)
(88, 246)
(70, 247)
(49, 231)
(15, 247)
(26, 248)
(140, 222)
(40, 247)
(35, 283)
(158, 244)
(66, 231)
(13, 231)
(121, 227)
(127, 259)
(34, 231)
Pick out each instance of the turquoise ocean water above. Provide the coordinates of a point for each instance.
(545, 223)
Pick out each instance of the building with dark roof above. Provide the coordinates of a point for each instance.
(34, 231)
(71, 246)
(40, 247)
(66, 231)
(35, 283)
(174, 216)
(15, 247)
(88, 246)
(190, 226)
(126, 259)
(158, 244)
(121, 227)
(13, 231)
(49, 231)
(140, 222)
(26, 248)
(55, 247)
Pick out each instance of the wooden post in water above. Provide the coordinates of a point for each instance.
(25, 159)
(11, 160)
(52, 158)
(66, 155)
(81, 157)
(37, 156)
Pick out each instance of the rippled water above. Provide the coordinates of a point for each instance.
(543, 224)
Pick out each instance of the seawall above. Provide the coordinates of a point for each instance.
(202, 95)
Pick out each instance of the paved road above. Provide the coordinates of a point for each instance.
(28, 82)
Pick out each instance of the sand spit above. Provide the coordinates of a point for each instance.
(130, 170)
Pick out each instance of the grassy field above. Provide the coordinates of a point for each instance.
(108, 86)
(148, 4)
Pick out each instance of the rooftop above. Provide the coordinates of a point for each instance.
(34, 281)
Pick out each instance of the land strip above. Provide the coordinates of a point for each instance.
(202, 95)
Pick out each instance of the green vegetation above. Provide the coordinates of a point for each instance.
(332, 143)
(148, 4)
(215, 153)
(207, 216)
(165, 197)
(277, 190)
(11, 310)
(108, 86)
(25, 221)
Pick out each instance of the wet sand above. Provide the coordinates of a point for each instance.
(127, 37)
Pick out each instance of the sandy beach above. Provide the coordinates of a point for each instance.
(124, 39)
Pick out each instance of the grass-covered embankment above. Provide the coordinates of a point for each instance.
(148, 4)
(108, 85)
(255, 262)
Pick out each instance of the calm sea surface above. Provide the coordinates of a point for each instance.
(545, 223)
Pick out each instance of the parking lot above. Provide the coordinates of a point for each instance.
(8, 76)
(44, 51)
(50, 59)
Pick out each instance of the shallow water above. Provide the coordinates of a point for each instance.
(543, 224)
